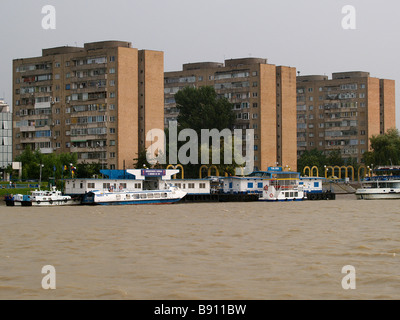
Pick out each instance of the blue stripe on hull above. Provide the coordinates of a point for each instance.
(111, 203)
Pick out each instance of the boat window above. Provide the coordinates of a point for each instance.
(150, 195)
(128, 196)
(136, 196)
(143, 196)
(156, 195)
(164, 195)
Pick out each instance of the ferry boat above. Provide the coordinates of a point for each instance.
(126, 197)
(272, 185)
(140, 186)
(380, 187)
(52, 197)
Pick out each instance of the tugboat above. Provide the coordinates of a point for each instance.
(51, 197)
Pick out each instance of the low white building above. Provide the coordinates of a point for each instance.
(137, 180)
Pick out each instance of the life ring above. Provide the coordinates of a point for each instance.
(38, 202)
(271, 195)
(266, 187)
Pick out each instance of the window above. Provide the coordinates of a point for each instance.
(91, 185)
(112, 70)
(260, 185)
(112, 58)
(112, 130)
(112, 83)
(250, 185)
(57, 77)
(255, 84)
(112, 142)
(191, 185)
(112, 94)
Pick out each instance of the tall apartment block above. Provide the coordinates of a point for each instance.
(344, 112)
(5, 135)
(263, 97)
(98, 101)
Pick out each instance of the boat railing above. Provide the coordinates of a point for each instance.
(381, 178)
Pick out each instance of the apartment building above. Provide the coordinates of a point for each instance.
(344, 112)
(5, 135)
(98, 101)
(263, 97)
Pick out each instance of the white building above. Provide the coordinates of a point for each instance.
(5, 135)
(137, 180)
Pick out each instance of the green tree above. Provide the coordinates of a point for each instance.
(334, 158)
(202, 108)
(385, 149)
(141, 161)
(31, 161)
(312, 158)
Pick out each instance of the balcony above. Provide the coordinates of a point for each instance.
(89, 89)
(74, 79)
(92, 66)
(43, 105)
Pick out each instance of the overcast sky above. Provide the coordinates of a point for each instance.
(306, 34)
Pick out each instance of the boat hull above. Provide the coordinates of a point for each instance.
(50, 203)
(140, 202)
(133, 198)
(377, 195)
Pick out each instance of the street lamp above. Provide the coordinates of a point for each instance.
(40, 174)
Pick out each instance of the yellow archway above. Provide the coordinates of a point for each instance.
(216, 170)
(201, 168)
(170, 166)
(364, 172)
(305, 170)
(352, 171)
(312, 171)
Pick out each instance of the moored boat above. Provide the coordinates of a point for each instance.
(52, 197)
(380, 187)
(272, 185)
(126, 197)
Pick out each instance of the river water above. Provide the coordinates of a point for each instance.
(256, 250)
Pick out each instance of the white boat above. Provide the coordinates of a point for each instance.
(375, 188)
(126, 197)
(272, 185)
(51, 197)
